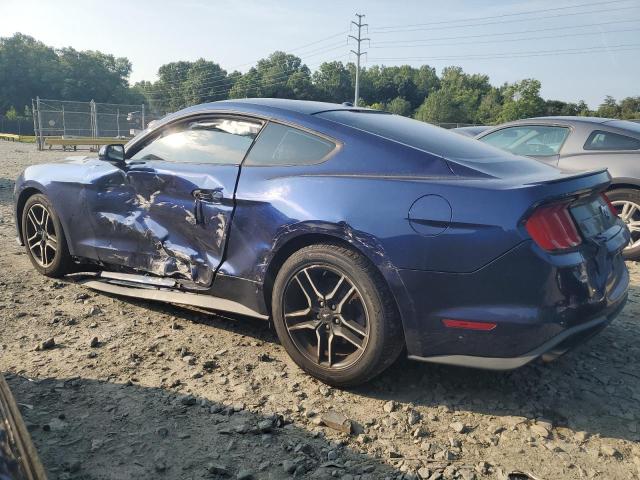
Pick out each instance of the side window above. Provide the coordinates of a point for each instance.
(282, 145)
(529, 140)
(212, 140)
(601, 140)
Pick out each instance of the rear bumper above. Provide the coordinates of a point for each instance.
(541, 305)
(550, 350)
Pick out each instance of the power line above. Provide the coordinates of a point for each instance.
(491, 17)
(517, 20)
(218, 86)
(222, 81)
(476, 42)
(535, 53)
(517, 32)
(261, 83)
(295, 49)
(257, 83)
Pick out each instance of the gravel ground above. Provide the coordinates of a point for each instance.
(132, 389)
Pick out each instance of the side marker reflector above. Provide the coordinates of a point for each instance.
(469, 325)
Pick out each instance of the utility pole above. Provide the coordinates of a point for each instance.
(358, 53)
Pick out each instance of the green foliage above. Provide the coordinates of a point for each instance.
(377, 106)
(490, 108)
(441, 107)
(630, 108)
(609, 108)
(281, 75)
(522, 100)
(399, 106)
(29, 68)
(333, 82)
(11, 114)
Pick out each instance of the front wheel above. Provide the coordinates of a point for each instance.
(43, 237)
(335, 316)
(627, 203)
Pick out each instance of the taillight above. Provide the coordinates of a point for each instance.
(552, 227)
(612, 209)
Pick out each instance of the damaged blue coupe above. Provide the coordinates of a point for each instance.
(360, 234)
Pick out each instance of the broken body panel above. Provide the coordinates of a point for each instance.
(462, 252)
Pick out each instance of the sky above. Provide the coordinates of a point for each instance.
(578, 49)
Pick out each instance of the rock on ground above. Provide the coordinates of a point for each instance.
(169, 392)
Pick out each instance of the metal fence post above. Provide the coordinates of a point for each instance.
(118, 120)
(94, 119)
(35, 124)
(64, 127)
(40, 137)
(142, 126)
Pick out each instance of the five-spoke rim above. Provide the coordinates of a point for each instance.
(41, 235)
(325, 316)
(629, 212)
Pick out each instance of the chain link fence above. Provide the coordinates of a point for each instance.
(17, 126)
(65, 119)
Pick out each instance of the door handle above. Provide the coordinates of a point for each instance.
(205, 196)
(210, 196)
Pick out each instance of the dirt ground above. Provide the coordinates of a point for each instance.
(142, 390)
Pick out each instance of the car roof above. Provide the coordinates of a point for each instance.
(276, 105)
(296, 111)
(563, 118)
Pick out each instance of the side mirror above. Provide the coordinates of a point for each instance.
(112, 153)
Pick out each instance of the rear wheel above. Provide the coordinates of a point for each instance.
(334, 315)
(43, 237)
(627, 203)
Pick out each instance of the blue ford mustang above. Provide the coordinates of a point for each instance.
(359, 233)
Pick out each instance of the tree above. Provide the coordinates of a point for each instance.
(426, 81)
(440, 107)
(522, 100)
(466, 92)
(93, 75)
(27, 68)
(630, 108)
(490, 108)
(172, 78)
(609, 108)
(399, 106)
(332, 82)
(281, 75)
(376, 106)
(205, 81)
(583, 109)
(11, 114)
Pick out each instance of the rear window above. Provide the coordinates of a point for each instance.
(601, 140)
(417, 134)
(632, 126)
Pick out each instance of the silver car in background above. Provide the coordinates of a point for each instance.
(583, 143)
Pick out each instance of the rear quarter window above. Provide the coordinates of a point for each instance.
(282, 145)
(602, 140)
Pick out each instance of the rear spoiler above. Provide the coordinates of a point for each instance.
(571, 175)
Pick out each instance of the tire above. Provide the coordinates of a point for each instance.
(369, 309)
(629, 197)
(46, 260)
